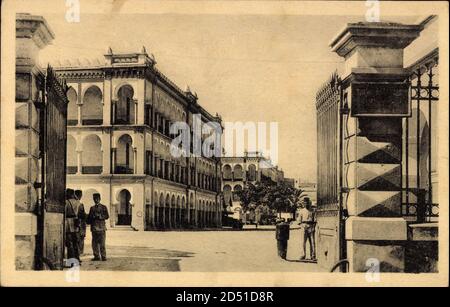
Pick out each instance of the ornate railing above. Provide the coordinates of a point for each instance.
(420, 142)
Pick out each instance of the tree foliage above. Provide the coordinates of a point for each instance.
(277, 196)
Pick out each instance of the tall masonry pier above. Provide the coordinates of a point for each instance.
(360, 118)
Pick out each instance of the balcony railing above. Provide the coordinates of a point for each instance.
(92, 121)
(72, 122)
(123, 169)
(92, 169)
(72, 170)
(123, 121)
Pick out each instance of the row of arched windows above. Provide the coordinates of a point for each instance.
(237, 173)
(123, 111)
(231, 194)
(91, 107)
(169, 170)
(171, 213)
(88, 159)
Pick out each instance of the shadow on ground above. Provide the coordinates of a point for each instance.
(125, 258)
(302, 261)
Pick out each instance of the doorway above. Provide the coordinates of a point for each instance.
(124, 215)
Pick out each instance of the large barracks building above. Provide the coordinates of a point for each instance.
(118, 144)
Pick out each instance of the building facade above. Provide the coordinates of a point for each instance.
(119, 145)
(238, 171)
(289, 182)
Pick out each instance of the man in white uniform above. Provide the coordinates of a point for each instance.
(307, 222)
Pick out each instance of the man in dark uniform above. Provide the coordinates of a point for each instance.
(72, 225)
(82, 221)
(96, 218)
(282, 235)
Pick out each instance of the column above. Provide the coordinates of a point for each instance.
(188, 213)
(155, 216)
(140, 102)
(156, 165)
(163, 216)
(107, 103)
(113, 111)
(79, 112)
(138, 207)
(113, 160)
(169, 212)
(140, 155)
(196, 211)
(135, 101)
(219, 212)
(135, 170)
(106, 152)
(375, 88)
(79, 162)
(176, 215)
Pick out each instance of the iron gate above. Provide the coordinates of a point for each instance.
(330, 244)
(53, 144)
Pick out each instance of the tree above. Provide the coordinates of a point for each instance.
(276, 196)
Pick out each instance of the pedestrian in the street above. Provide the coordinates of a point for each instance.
(282, 236)
(72, 226)
(98, 214)
(82, 221)
(257, 216)
(307, 222)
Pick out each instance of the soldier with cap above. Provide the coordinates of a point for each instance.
(96, 218)
(82, 219)
(307, 222)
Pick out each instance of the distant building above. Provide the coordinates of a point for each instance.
(289, 181)
(238, 171)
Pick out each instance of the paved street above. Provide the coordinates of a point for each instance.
(197, 251)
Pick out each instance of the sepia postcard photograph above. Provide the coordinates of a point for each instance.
(224, 143)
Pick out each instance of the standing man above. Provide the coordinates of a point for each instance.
(96, 218)
(307, 222)
(282, 236)
(82, 219)
(257, 216)
(72, 227)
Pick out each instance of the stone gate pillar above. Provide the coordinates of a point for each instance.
(32, 34)
(375, 99)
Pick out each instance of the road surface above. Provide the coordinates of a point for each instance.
(196, 251)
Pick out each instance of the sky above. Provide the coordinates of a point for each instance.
(260, 68)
